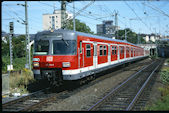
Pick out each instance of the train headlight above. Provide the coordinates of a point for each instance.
(36, 59)
(35, 64)
(66, 64)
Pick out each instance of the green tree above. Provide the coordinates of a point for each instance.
(19, 46)
(131, 36)
(18, 49)
(80, 26)
(5, 48)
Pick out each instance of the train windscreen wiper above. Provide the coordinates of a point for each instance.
(65, 42)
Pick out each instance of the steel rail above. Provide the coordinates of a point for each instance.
(118, 87)
(35, 105)
(141, 89)
(21, 98)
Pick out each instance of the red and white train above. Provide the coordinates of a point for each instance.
(67, 55)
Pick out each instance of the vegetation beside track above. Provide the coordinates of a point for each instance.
(163, 102)
(19, 81)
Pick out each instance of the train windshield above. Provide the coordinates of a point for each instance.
(41, 47)
(64, 47)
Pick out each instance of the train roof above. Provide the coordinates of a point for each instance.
(65, 31)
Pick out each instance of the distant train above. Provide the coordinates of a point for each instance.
(65, 55)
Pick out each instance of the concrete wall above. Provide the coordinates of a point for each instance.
(5, 84)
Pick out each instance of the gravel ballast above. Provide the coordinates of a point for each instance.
(85, 98)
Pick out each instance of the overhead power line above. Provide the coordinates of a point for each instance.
(84, 8)
(137, 15)
(157, 9)
(15, 13)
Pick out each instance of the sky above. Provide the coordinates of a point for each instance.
(145, 16)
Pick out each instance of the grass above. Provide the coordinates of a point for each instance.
(162, 103)
(19, 82)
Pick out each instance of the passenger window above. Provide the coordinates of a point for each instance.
(105, 50)
(101, 50)
(127, 50)
(88, 50)
(80, 46)
(132, 50)
(113, 52)
(122, 50)
(115, 49)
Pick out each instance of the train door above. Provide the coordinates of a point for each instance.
(114, 52)
(134, 52)
(86, 56)
(109, 54)
(81, 56)
(118, 53)
(121, 52)
(95, 55)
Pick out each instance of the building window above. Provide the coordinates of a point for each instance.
(105, 50)
(53, 22)
(88, 50)
(101, 50)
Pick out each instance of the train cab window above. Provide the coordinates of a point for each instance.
(105, 50)
(41, 47)
(101, 50)
(88, 50)
(66, 47)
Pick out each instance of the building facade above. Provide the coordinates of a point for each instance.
(53, 21)
(106, 29)
(152, 38)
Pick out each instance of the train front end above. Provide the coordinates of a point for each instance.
(54, 52)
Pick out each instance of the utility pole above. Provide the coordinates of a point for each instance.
(28, 59)
(116, 23)
(74, 24)
(63, 16)
(10, 67)
(125, 35)
(138, 38)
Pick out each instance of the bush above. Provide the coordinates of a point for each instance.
(162, 104)
(164, 75)
(18, 63)
(5, 62)
(20, 81)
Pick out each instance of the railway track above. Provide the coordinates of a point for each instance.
(30, 102)
(35, 101)
(128, 94)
